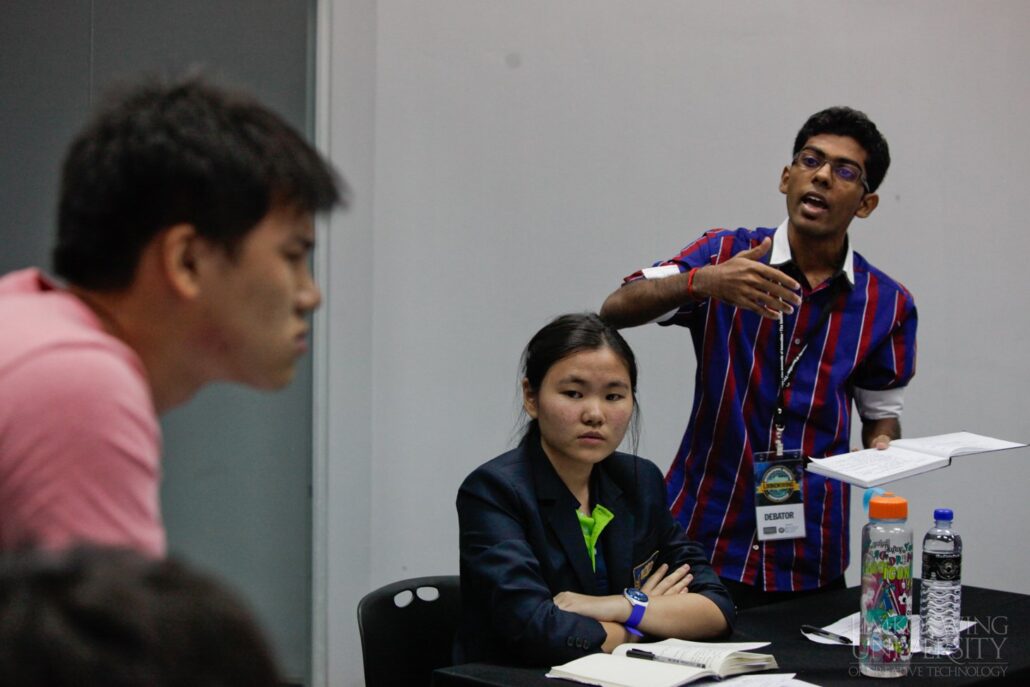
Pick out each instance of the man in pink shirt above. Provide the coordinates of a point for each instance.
(184, 229)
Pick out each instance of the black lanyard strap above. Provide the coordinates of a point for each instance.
(787, 370)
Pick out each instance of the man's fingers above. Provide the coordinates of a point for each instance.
(770, 273)
(758, 251)
(772, 303)
(777, 282)
(762, 303)
(745, 282)
(780, 285)
(758, 309)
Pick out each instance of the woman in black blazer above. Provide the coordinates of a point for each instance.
(567, 546)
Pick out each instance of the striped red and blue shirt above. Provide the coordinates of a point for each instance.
(865, 350)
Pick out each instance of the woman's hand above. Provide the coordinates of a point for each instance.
(665, 583)
(611, 611)
(614, 607)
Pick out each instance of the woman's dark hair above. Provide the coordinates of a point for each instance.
(844, 121)
(568, 334)
(104, 617)
(159, 154)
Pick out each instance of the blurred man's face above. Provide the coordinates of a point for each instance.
(257, 302)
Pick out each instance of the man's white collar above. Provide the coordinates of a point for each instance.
(781, 252)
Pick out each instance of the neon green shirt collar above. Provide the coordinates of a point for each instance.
(592, 526)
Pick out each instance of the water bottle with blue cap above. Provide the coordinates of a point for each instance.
(940, 593)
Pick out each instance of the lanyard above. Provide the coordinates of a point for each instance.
(787, 370)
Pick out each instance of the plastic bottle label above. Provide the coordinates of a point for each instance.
(886, 601)
(946, 567)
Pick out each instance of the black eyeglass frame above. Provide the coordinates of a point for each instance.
(835, 166)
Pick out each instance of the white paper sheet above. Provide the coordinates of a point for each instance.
(848, 626)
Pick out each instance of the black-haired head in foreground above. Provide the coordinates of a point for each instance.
(98, 617)
(161, 153)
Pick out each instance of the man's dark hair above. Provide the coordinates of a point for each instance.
(159, 154)
(844, 121)
(96, 617)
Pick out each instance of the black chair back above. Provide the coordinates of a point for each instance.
(407, 629)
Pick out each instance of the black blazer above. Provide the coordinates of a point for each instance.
(521, 543)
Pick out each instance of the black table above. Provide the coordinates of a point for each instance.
(995, 649)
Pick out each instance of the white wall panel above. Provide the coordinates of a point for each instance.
(527, 155)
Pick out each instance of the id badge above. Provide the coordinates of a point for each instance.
(643, 571)
(779, 495)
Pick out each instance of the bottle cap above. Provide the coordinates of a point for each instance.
(887, 506)
(943, 514)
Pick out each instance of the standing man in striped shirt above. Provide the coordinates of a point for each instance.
(789, 326)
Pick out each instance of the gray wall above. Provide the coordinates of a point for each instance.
(516, 159)
(237, 463)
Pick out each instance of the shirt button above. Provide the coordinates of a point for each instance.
(755, 547)
(797, 342)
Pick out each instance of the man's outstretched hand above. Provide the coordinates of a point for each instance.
(745, 282)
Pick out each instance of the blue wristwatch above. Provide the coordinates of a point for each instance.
(638, 600)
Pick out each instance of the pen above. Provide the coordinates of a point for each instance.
(820, 632)
(648, 656)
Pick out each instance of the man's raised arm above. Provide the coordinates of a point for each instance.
(742, 281)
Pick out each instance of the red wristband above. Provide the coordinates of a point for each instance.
(690, 283)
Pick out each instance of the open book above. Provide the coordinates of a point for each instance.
(673, 662)
(904, 458)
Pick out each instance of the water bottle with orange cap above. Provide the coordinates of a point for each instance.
(886, 606)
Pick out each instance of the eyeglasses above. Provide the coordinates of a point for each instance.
(847, 172)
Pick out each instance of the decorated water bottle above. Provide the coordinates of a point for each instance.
(885, 632)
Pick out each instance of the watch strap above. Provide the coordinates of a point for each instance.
(635, 616)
